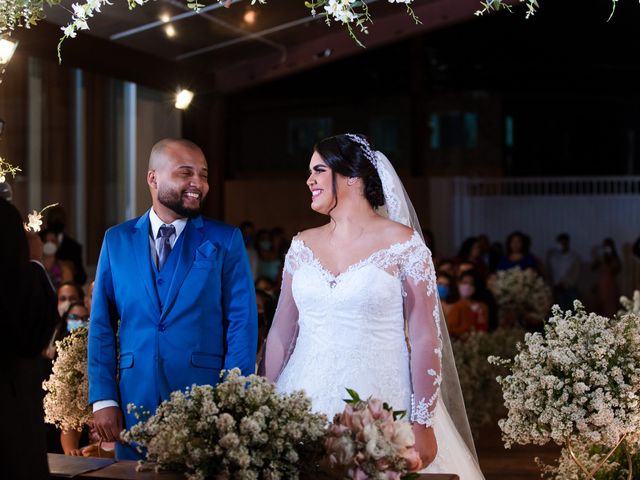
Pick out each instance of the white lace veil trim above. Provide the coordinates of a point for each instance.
(398, 207)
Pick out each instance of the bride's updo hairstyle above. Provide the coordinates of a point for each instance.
(350, 159)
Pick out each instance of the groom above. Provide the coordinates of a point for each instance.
(173, 300)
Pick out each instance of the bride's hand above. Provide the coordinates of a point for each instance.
(426, 444)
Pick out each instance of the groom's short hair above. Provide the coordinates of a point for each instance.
(159, 148)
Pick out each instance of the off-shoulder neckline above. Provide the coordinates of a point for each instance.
(404, 243)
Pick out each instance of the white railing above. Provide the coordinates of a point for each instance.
(588, 208)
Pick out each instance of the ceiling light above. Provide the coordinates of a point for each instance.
(249, 17)
(165, 17)
(183, 99)
(170, 31)
(7, 47)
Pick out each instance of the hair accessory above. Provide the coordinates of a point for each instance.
(365, 146)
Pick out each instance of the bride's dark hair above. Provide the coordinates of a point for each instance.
(348, 158)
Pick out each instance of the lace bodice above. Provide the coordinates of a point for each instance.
(331, 331)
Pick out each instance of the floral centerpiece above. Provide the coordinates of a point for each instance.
(370, 440)
(239, 429)
(577, 384)
(482, 394)
(65, 403)
(523, 294)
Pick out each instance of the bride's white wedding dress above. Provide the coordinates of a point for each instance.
(333, 332)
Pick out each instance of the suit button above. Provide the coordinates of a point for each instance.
(162, 328)
(160, 281)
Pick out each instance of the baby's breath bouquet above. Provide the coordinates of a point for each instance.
(522, 292)
(241, 428)
(578, 383)
(65, 403)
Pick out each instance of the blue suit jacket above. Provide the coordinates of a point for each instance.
(208, 321)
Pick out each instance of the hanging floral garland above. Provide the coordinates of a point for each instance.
(352, 14)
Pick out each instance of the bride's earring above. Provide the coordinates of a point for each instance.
(351, 180)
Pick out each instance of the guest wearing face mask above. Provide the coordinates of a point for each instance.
(68, 293)
(457, 312)
(59, 271)
(468, 287)
(68, 248)
(269, 262)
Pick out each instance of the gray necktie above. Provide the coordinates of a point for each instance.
(164, 234)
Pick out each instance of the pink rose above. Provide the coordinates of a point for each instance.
(375, 407)
(412, 459)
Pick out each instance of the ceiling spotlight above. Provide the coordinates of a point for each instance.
(165, 17)
(170, 31)
(183, 99)
(7, 47)
(249, 17)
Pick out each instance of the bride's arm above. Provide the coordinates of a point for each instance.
(283, 331)
(423, 322)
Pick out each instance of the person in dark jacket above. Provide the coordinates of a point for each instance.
(28, 312)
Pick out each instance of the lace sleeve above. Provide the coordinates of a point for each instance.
(284, 329)
(425, 336)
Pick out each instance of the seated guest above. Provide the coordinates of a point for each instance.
(470, 286)
(457, 313)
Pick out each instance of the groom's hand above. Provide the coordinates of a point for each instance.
(426, 444)
(108, 423)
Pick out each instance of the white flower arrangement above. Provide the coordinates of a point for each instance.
(482, 394)
(578, 382)
(522, 292)
(65, 403)
(6, 168)
(630, 305)
(239, 429)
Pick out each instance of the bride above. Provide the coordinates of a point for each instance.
(359, 307)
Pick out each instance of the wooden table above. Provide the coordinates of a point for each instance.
(63, 466)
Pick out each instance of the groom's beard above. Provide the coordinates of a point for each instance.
(173, 200)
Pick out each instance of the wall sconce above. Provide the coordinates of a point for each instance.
(183, 99)
(7, 48)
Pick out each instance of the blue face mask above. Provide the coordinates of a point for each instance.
(73, 324)
(443, 291)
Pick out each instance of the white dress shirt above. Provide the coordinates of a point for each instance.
(154, 245)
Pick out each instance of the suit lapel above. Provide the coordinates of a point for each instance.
(141, 244)
(192, 238)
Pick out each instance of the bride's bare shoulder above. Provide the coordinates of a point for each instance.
(395, 232)
(311, 234)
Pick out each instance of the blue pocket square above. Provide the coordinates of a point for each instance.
(205, 251)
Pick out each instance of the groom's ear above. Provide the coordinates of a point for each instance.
(151, 179)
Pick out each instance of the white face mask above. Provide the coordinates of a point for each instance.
(49, 248)
(63, 307)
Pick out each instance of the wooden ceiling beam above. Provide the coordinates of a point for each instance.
(108, 58)
(303, 56)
